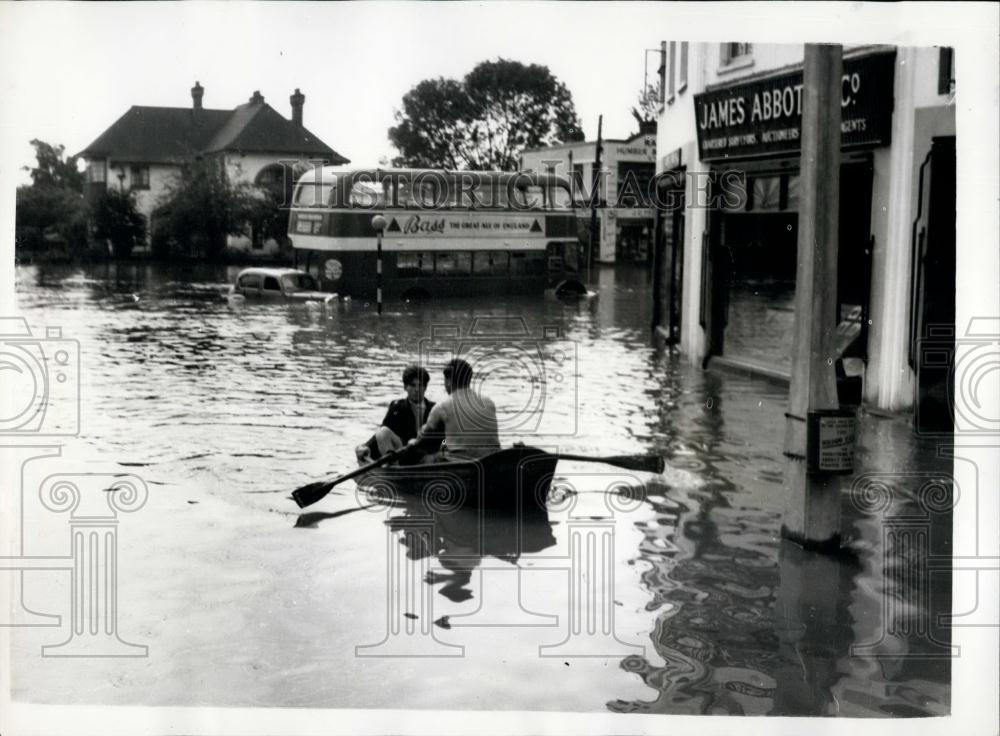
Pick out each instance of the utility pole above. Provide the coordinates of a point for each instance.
(818, 438)
(594, 200)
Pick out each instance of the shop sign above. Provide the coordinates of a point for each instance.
(830, 438)
(764, 118)
(458, 225)
(672, 160)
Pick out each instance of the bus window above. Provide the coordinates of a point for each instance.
(313, 194)
(527, 264)
(427, 263)
(490, 262)
(369, 194)
(454, 262)
(408, 264)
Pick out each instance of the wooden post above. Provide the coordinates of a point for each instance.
(595, 184)
(812, 500)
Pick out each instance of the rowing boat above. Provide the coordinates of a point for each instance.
(514, 479)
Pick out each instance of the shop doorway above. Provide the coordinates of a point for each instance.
(668, 261)
(634, 242)
(932, 352)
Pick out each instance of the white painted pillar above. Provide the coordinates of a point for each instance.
(889, 383)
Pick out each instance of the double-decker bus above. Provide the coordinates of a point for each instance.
(446, 232)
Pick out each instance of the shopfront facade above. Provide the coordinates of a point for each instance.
(727, 223)
(625, 222)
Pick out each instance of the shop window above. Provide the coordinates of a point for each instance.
(765, 194)
(946, 70)
(634, 182)
(792, 193)
(576, 183)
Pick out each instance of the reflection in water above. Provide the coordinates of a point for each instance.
(240, 400)
(463, 536)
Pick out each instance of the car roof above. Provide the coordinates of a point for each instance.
(263, 271)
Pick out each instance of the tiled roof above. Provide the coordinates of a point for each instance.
(257, 127)
(176, 134)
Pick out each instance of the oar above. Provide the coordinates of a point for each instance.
(313, 492)
(644, 463)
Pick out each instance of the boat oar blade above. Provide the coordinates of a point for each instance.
(642, 463)
(313, 492)
(310, 493)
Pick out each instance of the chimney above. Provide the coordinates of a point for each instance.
(197, 92)
(297, 100)
(257, 96)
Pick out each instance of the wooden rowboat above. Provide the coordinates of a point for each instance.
(515, 479)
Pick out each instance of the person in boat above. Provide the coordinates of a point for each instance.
(403, 419)
(465, 420)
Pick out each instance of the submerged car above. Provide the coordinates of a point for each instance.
(279, 284)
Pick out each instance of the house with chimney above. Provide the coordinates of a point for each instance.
(145, 150)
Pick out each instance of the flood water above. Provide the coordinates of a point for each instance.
(224, 408)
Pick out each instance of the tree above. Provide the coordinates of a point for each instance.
(52, 170)
(486, 120)
(199, 211)
(50, 215)
(49, 220)
(649, 104)
(117, 220)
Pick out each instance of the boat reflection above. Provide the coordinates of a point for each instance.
(462, 536)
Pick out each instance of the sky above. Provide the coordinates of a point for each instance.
(71, 70)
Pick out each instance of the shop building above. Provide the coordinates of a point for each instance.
(727, 212)
(625, 219)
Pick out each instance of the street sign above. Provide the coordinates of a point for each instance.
(830, 436)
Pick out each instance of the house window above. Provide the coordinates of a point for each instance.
(97, 172)
(671, 71)
(682, 76)
(946, 70)
(140, 177)
(735, 52)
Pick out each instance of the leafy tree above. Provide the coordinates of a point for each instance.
(117, 220)
(49, 219)
(486, 120)
(648, 102)
(199, 211)
(52, 170)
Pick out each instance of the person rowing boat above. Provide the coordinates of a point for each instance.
(465, 420)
